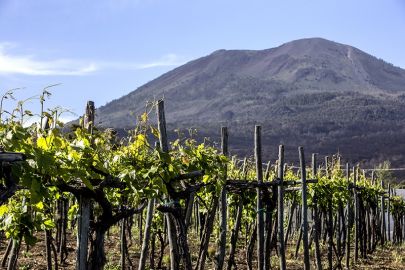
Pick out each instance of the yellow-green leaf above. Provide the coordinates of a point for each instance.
(40, 205)
(3, 210)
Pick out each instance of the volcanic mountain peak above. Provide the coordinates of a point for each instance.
(309, 91)
(224, 77)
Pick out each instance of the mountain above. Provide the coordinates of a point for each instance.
(324, 95)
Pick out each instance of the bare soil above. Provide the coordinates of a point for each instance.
(389, 257)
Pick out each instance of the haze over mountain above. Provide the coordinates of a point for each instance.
(313, 92)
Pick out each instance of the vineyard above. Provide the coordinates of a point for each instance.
(182, 204)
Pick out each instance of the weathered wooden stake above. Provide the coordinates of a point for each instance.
(84, 203)
(327, 166)
(259, 207)
(48, 249)
(348, 220)
(267, 173)
(15, 249)
(171, 230)
(372, 177)
(388, 213)
(223, 206)
(234, 235)
(317, 228)
(83, 222)
(382, 216)
(146, 236)
(330, 235)
(280, 210)
(7, 252)
(123, 244)
(329, 219)
(304, 208)
(356, 217)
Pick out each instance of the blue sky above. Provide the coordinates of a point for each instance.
(103, 49)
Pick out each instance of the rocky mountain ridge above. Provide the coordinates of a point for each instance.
(324, 95)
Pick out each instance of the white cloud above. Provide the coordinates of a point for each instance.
(29, 65)
(65, 119)
(28, 121)
(11, 63)
(165, 61)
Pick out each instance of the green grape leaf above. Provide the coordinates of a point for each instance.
(49, 224)
(3, 210)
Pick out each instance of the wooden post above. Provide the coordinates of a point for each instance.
(304, 208)
(163, 142)
(388, 213)
(148, 226)
(146, 236)
(123, 244)
(88, 120)
(84, 203)
(280, 210)
(330, 235)
(83, 222)
(15, 249)
(329, 223)
(267, 173)
(140, 227)
(224, 141)
(189, 209)
(356, 217)
(223, 206)
(234, 234)
(48, 249)
(348, 227)
(171, 230)
(7, 252)
(259, 207)
(382, 216)
(377, 218)
(317, 230)
(237, 225)
(372, 177)
(290, 219)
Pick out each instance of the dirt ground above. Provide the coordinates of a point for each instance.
(389, 257)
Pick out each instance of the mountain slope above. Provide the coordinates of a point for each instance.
(321, 94)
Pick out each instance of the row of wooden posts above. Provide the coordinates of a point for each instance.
(372, 224)
(262, 253)
(365, 234)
